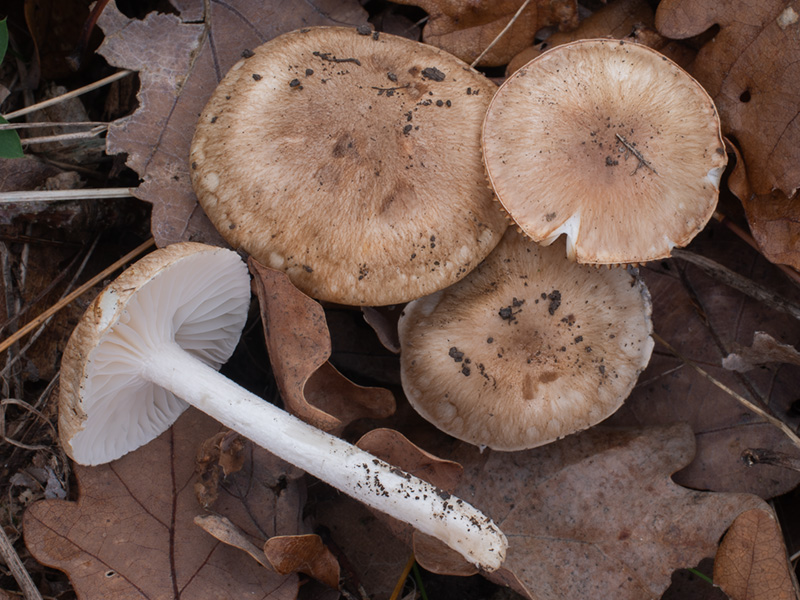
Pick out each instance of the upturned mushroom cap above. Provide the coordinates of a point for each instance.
(610, 143)
(528, 348)
(197, 295)
(352, 162)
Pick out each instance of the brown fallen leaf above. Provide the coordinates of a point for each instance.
(598, 511)
(749, 68)
(299, 345)
(131, 534)
(284, 554)
(751, 563)
(773, 222)
(765, 349)
(616, 20)
(771, 217)
(466, 28)
(180, 59)
(703, 319)
(303, 554)
(396, 449)
(222, 529)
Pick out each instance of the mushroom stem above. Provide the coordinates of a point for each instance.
(349, 469)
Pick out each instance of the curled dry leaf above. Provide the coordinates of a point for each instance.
(131, 534)
(466, 28)
(765, 349)
(396, 449)
(217, 457)
(772, 217)
(303, 554)
(751, 563)
(284, 554)
(222, 529)
(180, 59)
(750, 70)
(299, 345)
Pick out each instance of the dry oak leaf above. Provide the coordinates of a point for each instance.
(465, 28)
(180, 60)
(131, 534)
(299, 345)
(751, 563)
(596, 515)
(703, 319)
(612, 20)
(751, 68)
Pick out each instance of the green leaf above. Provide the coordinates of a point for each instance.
(3, 39)
(10, 146)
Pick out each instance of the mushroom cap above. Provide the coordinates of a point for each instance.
(193, 294)
(526, 349)
(561, 139)
(351, 162)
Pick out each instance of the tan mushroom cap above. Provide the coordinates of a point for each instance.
(610, 143)
(528, 348)
(352, 162)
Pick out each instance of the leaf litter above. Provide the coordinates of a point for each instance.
(693, 316)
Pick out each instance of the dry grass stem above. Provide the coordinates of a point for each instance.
(502, 33)
(788, 431)
(133, 254)
(58, 195)
(13, 360)
(788, 271)
(7, 126)
(739, 282)
(398, 588)
(73, 94)
(12, 560)
(65, 137)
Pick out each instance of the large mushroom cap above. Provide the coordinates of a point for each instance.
(352, 162)
(528, 348)
(193, 294)
(610, 143)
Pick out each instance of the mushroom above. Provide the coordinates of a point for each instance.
(350, 160)
(151, 342)
(526, 349)
(609, 143)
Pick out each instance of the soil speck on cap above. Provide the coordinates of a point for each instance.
(507, 313)
(309, 72)
(455, 354)
(257, 77)
(364, 30)
(433, 73)
(247, 53)
(555, 301)
(392, 77)
(294, 83)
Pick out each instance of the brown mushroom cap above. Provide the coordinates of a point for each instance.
(352, 162)
(528, 348)
(610, 143)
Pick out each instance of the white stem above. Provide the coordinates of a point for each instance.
(344, 466)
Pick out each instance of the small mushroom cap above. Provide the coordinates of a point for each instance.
(528, 348)
(194, 294)
(610, 143)
(351, 162)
